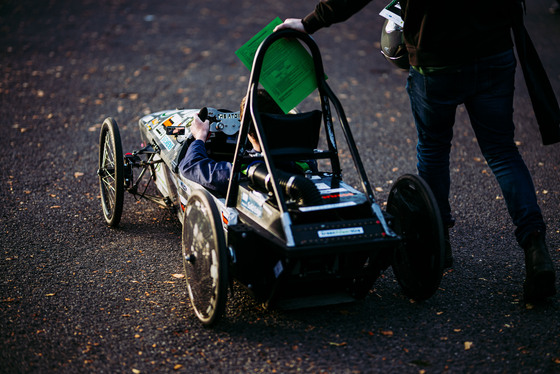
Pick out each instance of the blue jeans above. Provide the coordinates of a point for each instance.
(486, 88)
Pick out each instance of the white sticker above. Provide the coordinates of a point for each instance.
(333, 190)
(340, 232)
(327, 206)
(175, 120)
(167, 142)
(322, 186)
(251, 205)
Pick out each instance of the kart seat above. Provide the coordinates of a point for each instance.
(292, 134)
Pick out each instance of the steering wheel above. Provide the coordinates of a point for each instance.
(220, 121)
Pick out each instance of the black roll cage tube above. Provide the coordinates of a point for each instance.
(326, 96)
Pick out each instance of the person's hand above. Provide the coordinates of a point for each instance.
(199, 129)
(291, 23)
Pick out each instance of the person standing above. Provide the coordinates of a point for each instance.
(555, 7)
(460, 54)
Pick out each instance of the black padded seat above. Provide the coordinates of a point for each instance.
(288, 134)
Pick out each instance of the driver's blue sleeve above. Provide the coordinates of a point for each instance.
(198, 167)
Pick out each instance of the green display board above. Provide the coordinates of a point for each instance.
(288, 73)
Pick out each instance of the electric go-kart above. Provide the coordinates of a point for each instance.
(291, 240)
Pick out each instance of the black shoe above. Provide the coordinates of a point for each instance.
(540, 276)
(448, 255)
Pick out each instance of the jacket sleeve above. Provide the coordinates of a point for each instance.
(328, 12)
(198, 167)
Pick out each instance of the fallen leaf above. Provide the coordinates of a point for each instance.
(78, 174)
(468, 345)
(177, 367)
(178, 275)
(386, 333)
(50, 294)
(338, 344)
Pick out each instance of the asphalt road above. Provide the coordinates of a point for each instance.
(76, 296)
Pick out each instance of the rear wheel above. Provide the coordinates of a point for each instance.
(111, 172)
(205, 257)
(418, 261)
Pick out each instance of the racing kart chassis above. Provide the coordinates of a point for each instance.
(291, 240)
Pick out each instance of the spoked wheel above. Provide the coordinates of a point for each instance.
(111, 172)
(418, 262)
(205, 257)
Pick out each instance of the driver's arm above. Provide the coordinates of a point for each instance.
(325, 14)
(199, 167)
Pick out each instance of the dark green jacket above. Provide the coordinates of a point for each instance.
(441, 33)
(437, 32)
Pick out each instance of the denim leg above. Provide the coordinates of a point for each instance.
(486, 88)
(491, 114)
(434, 115)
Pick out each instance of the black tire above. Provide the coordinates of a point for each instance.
(418, 261)
(111, 172)
(205, 258)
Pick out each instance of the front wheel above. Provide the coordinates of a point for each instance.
(418, 261)
(111, 172)
(205, 257)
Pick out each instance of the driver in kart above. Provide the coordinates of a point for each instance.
(214, 175)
